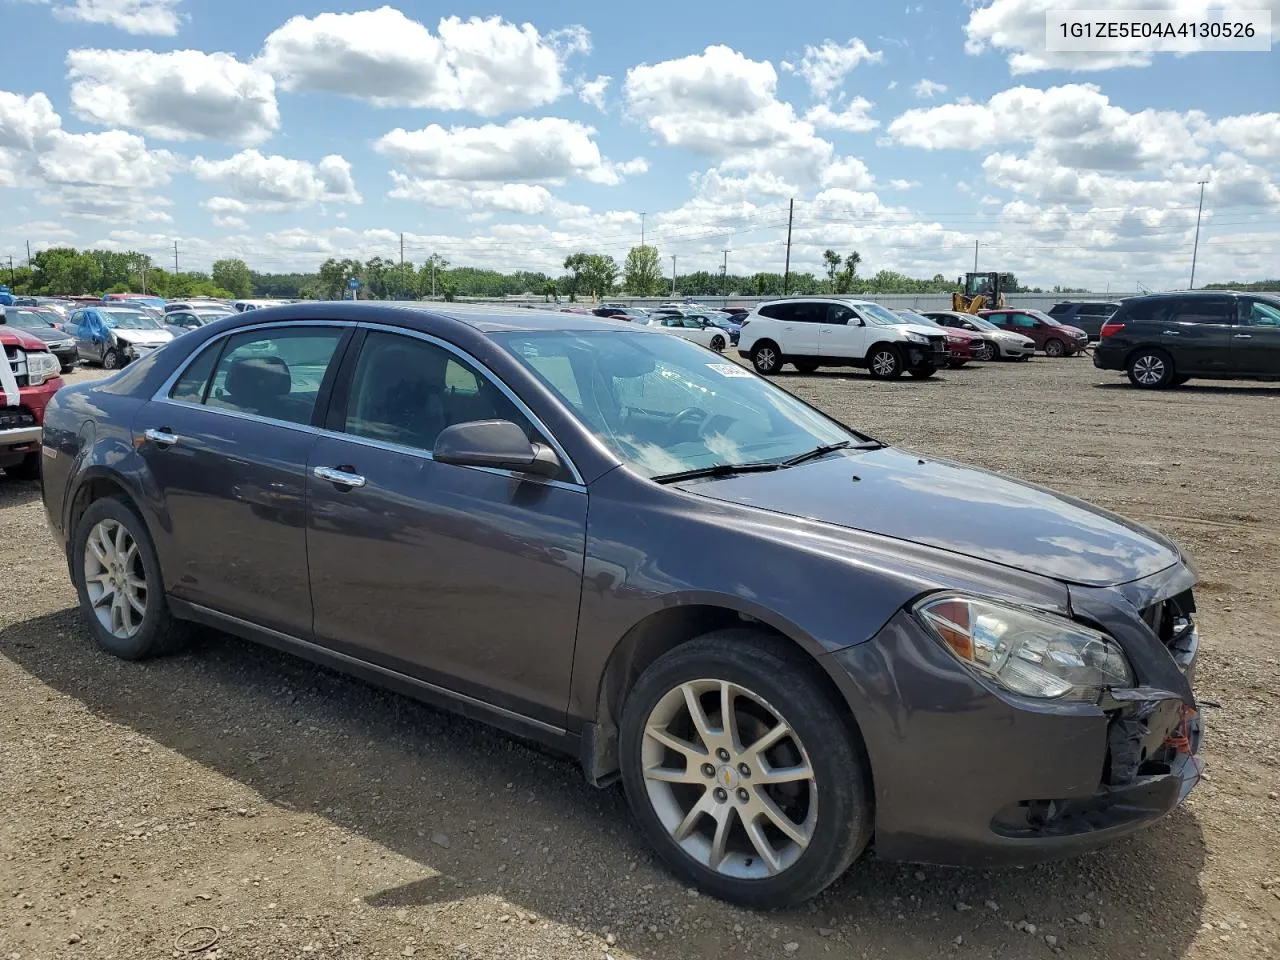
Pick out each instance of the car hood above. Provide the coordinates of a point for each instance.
(921, 329)
(957, 508)
(17, 337)
(143, 338)
(1074, 331)
(49, 335)
(1010, 335)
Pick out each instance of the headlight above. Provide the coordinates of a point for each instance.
(41, 367)
(917, 338)
(1032, 654)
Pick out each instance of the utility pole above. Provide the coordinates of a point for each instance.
(724, 275)
(12, 282)
(975, 255)
(28, 253)
(642, 228)
(402, 248)
(1196, 247)
(175, 256)
(786, 272)
(673, 275)
(433, 276)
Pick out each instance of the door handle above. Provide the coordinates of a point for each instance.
(1243, 336)
(1170, 333)
(340, 476)
(161, 436)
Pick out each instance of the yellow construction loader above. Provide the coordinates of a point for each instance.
(980, 291)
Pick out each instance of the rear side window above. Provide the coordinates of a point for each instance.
(1204, 310)
(1061, 309)
(776, 311)
(273, 373)
(809, 313)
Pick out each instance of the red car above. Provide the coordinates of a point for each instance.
(1054, 338)
(27, 384)
(962, 345)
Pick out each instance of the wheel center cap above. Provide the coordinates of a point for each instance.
(727, 777)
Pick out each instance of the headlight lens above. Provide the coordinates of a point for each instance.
(917, 338)
(41, 366)
(1032, 654)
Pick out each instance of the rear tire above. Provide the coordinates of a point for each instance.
(124, 585)
(884, 362)
(1151, 369)
(766, 358)
(826, 803)
(1053, 347)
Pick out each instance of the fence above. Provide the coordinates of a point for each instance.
(894, 301)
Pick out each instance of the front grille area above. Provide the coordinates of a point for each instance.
(17, 360)
(16, 418)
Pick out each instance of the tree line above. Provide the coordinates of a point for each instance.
(586, 277)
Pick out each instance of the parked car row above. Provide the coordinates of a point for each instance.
(29, 377)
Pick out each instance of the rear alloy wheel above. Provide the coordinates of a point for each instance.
(742, 772)
(885, 363)
(111, 360)
(1151, 369)
(1053, 347)
(766, 358)
(717, 344)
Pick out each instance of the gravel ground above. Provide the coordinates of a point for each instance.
(237, 794)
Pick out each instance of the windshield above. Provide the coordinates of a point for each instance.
(27, 320)
(881, 315)
(912, 317)
(665, 405)
(1043, 316)
(981, 322)
(127, 319)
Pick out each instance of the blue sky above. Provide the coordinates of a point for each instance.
(511, 135)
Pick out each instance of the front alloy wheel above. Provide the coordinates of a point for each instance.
(885, 364)
(987, 351)
(717, 344)
(766, 358)
(1053, 347)
(112, 360)
(729, 779)
(114, 579)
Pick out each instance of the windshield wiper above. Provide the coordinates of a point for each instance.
(719, 470)
(823, 450)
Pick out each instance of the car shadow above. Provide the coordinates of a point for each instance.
(422, 783)
(1196, 389)
(15, 492)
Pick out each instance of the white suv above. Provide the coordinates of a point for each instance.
(812, 332)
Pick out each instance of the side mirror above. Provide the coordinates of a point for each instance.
(499, 444)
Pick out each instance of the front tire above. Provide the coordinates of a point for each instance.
(117, 577)
(717, 344)
(1053, 347)
(1151, 369)
(987, 351)
(765, 808)
(766, 358)
(111, 360)
(885, 363)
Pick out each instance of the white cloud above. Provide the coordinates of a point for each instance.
(892, 85)
(1074, 124)
(182, 95)
(825, 67)
(488, 198)
(487, 66)
(926, 89)
(112, 205)
(713, 186)
(848, 173)
(270, 182)
(1017, 27)
(904, 184)
(1255, 134)
(592, 91)
(852, 118)
(721, 104)
(523, 149)
(154, 17)
(111, 159)
(26, 121)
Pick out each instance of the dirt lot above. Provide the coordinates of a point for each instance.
(299, 813)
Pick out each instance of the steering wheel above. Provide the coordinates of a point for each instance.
(690, 415)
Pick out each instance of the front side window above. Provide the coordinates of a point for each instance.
(1260, 313)
(270, 373)
(664, 405)
(406, 390)
(1023, 321)
(839, 315)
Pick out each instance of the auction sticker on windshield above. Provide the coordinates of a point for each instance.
(730, 370)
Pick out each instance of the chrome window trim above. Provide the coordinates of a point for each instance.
(162, 396)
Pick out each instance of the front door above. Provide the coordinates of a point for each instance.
(1028, 326)
(467, 578)
(86, 330)
(844, 333)
(227, 447)
(1257, 338)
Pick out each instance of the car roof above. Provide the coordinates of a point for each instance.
(483, 318)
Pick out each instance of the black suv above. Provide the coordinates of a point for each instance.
(1088, 315)
(1166, 339)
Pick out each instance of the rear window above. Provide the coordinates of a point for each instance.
(1061, 309)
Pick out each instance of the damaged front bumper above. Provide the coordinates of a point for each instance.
(969, 774)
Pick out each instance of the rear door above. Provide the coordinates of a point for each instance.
(844, 335)
(1199, 332)
(226, 444)
(1257, 337)
(804, 336)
